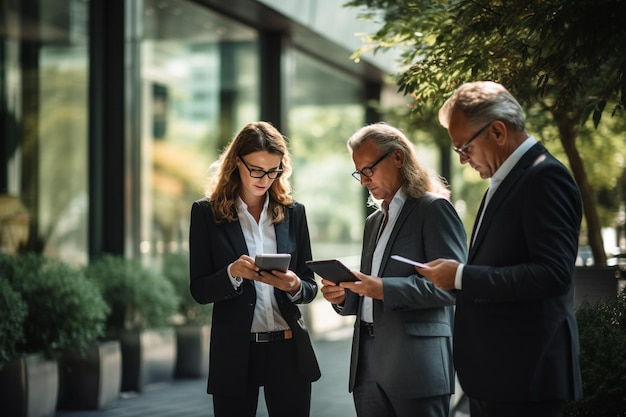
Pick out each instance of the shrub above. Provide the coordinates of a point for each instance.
(602, 335)
(176, 269)
(13, 311)
(139, 297)
(65, 310)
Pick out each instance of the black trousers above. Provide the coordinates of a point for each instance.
(273, 366)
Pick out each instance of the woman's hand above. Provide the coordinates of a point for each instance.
(244, 267)
(286, 281)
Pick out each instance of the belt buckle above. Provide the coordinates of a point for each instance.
(257, 340)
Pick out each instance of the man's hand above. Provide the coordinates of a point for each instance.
(367, 285)
(332, 292)
(441, 272)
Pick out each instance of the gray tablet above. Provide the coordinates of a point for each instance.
(273, 261)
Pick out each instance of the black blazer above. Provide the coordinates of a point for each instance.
(515, 334)
(212, 247)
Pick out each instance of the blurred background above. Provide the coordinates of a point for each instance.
(111, 113)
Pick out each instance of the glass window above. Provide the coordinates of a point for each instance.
(325, 108)
(43, 123)
(199, 76)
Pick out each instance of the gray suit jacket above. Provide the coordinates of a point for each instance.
(413, 325)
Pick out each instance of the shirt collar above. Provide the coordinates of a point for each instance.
(396, 203)
(242, 206)
(510, 162)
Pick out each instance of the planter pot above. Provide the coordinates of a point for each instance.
(148, 357)
(192, 351)
(596, 283)
(29, 387)
(93, 380)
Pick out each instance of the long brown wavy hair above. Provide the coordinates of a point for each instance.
(225, 182)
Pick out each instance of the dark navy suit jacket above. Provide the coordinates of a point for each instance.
(212, 247)
(515, 331)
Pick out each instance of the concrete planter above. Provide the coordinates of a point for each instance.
(148, 357)
(596, 283)
(29, 387)
(192, 346)
(91, 381)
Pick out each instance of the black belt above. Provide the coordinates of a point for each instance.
(368, 328)
(271, 336)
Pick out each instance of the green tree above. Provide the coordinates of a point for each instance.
(563, 59)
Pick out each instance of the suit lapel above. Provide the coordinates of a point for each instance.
(282, 234)
(407, 209)
(506, 187)
(369, 241)
(235, 234)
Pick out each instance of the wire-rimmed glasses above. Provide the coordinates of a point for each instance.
(461, 149)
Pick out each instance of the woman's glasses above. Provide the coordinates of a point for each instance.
(259, 173)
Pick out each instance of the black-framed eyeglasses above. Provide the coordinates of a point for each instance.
(461, 149)
(260, 173)
(368, 171)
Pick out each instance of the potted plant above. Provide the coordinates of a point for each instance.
(602, 338)
(193, 329)
(91, 379)
(13, 311)
(65, 311)
(142, 301)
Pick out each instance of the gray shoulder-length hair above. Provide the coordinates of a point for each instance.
(417, 179)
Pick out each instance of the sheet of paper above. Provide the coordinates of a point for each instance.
(408, 261)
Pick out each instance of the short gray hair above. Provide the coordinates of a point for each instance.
(483, 102)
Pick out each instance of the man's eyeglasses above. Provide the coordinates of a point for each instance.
(259, 173)
(368, 171)
(461, 149)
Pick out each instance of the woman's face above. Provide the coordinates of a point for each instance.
(255, 164)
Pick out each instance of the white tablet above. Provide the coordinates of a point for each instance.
(408, 261)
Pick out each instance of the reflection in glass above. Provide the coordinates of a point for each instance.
(200, 79)
(44, 91)
(326, 107)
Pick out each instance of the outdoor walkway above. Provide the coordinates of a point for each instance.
(188, 397)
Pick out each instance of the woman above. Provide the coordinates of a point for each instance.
(258, 337)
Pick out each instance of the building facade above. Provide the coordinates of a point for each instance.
(112, 112)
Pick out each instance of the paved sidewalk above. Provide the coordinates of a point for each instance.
(188, 397)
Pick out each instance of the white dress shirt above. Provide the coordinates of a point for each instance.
(260, 238)
(384, 233)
